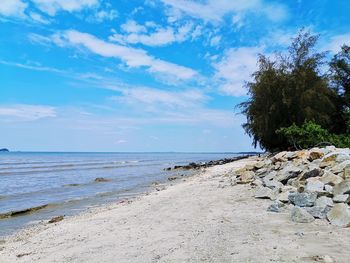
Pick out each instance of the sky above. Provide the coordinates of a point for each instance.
(143, 75)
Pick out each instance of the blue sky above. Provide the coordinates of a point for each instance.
(142, 75)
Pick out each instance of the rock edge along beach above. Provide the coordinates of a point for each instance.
(211, 217)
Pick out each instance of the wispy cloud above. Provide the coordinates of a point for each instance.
(51, 7)
(336, 42)
(235, 68)
(215, 10)
(24, 112)
(158, 36)
(14, 8)
(132, 57)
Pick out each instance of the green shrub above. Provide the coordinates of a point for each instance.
(310, 135)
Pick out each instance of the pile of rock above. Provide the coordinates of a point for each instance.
(315, 183)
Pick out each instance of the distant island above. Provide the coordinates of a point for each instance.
(4, 150)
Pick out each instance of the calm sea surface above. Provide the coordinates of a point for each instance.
(66, 181)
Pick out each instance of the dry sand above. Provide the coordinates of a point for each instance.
(202, 219)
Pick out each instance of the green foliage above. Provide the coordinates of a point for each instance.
(340, 74)
(289, 90)
(311, 134)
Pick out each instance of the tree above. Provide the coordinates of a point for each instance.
(287, 90)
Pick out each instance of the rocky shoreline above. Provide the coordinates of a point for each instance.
(212, 163)
(312, 184)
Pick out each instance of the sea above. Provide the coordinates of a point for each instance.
(66, 182)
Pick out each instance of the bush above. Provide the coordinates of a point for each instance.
(310, 135)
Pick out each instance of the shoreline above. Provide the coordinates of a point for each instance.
(201, 218)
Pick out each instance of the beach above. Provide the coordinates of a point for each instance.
(202, 218)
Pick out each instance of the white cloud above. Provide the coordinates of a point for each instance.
(132, 26)
(161, 98)
(121, 141)
(215, 41)
(51, 7)
(336, 42)
(132, 57)
(236, 68)
(104, 15)
(13, 8)
(23, 112)
(38, 18)
(215, 10)
(157, 37)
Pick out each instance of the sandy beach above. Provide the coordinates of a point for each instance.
(198, 219)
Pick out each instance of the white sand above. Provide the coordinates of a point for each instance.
(193, 221)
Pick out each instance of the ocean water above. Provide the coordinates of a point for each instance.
(66, 181)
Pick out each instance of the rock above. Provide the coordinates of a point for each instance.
(300, 215)
(346, 173)
(261, 172)
(342, 199)
(259, 165)
(256, 182)
(314, 185)
(315, 154)
(328, 189)
(330, 178)
(275, 206)
(339, 168)
(342, 188)
(101, 180)
(324, 201)
(313, 173)
(339, 215)
(56, 219)
(279, 157)
(172, 178)
(246, 177)
(336, 157)
(283, 197)
(318, 211)
(303, 199)
(290, 171)
(272, 184)
(266, 193)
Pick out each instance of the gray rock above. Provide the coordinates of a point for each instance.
(275, 207)
(314, 185)
(313, 173)
(340, 167)
(288, 172)
(318, 211)
(339, 215)
(324, 201)
(341, 198)
(328, 189)
(272, 184)
(303, 199)
(330, 178)
(266, 193)
(300, 215)
(342, 188)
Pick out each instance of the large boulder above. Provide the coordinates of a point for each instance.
(318, 211)
(339, 168)
(300, 215)
(288, 172)
(246, 177)
(316, 172)
(314, 185)
(339, 215)
(342, 199)
(330, 178)
(266, 193)
(342, 188)
(315, 154)
(324, 201)
(303, 199)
